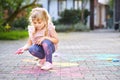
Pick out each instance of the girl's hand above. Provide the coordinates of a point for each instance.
(40, 40)
(19, 51)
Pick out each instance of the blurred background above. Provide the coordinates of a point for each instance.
(67, 15)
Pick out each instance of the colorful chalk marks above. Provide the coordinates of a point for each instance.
(65, 64)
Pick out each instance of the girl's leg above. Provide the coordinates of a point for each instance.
(48, 48)
(37, 51)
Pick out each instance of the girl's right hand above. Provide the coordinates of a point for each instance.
(19, 51)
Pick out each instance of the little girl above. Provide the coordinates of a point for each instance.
(43, 38)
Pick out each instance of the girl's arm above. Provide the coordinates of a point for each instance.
(25, 47)
(53, 36)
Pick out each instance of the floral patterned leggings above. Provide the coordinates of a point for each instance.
(44, 50)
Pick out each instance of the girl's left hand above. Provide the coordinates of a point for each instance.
(40, 40)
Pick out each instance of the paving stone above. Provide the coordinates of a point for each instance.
(80, 56)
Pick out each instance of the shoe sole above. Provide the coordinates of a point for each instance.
(47, 69)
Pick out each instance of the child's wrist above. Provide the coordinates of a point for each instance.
(24, 48)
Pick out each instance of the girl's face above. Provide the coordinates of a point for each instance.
(38, 24)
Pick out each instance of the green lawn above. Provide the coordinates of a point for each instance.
(13, 35)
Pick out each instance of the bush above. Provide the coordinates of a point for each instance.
(70, 16)
(80, 27)
(2, 29)
(75, 27)
(20, 23)
(86, 14)
(63, 28)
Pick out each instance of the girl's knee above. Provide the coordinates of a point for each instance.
(34, 48)
(48, 45)
(37, 51)
(46, 42)
(31, 49)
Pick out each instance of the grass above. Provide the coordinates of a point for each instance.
(13, 35)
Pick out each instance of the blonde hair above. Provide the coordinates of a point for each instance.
(40, 13)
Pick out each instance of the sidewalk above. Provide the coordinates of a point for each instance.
(80, 56)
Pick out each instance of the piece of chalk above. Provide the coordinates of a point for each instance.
(109, 59)
(115, 60)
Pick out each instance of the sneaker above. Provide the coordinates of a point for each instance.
(47, 66)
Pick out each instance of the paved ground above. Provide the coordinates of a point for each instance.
(80, 56)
